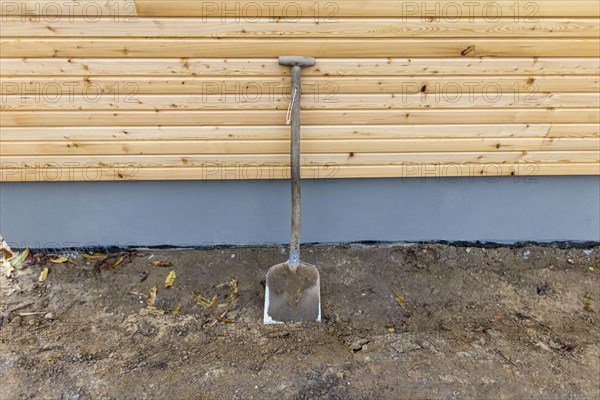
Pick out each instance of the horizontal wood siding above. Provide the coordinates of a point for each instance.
(146, 89)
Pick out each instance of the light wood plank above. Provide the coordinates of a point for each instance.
(269, 101)
(146, 147)
(315, 47)
(13, 173)
(189, 160)
(324, 86)
(309, 132)
(329, 11)
(67, 26)
(92, 9)
(327, 67)
(316, 117)
(325, 11)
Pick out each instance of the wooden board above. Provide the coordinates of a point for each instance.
(168, 160)
(75, 47)
(67, 26)
(251, 100)
(329, 11)
(334, 145)
(544, 131)
(324, 11)
(527, 172)
(325, 67)
(518, 85)
(316, 117)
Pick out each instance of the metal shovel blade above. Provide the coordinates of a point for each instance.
(292, 294)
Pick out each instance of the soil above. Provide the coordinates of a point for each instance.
(425, 321)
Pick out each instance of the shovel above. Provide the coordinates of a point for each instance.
(292, 291)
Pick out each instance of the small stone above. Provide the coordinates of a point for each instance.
(358, 344)
(49, 316)
(543, 346)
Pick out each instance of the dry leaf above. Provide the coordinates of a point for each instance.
(5, 250)
(60, 260)
(161, 263)
(170, 279)
(93, 256)
(15, 261)
(155, 310)
(176, 310)
(112, 261)
(43, 275)
(223, 319)
(204, 301)
(587, 302)
(8, 268)
(152, 297)
(399, 298)
(233, 291)
(19, 258)
(119, 260)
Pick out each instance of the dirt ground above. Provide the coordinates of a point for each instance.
(399, 322)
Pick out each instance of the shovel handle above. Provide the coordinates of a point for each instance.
(295, 168)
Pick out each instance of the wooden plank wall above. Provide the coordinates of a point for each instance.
(149, 89)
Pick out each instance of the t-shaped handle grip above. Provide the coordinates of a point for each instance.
(296, 61)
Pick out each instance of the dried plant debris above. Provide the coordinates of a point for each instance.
(587, 302)
(5, 250)
(170, 279)
(110, 262)
(152, 296)
(162, 263)
(15, 261)
(399, 298)
(60, 260)
(233, 290)
(205, 302)
(94, 256)
(39, 259)
(227, 293)
(43, 275)
(153, 310)
(223, 319)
